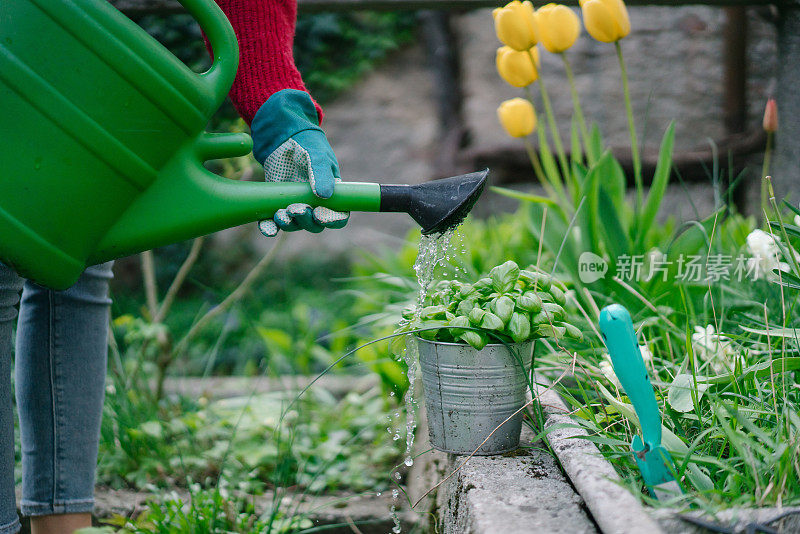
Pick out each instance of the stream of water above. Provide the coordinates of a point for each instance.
(434, 250)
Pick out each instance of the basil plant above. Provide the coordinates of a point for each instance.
(509, 305)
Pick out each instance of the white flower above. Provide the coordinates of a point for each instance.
(714, 348)
(647, 356)
(766, 254)
(797, 220)
(608, 371)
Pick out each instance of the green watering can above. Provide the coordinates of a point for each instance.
(103, 144)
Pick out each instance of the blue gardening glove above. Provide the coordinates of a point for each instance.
(287, 139)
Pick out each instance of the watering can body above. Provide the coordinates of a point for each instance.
(103, 140)
(102, 145)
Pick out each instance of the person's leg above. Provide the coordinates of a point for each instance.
(10, 287)
(60, 381)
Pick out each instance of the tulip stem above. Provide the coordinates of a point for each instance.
(637, 162)
(537, 169)
(765, 173)
(551, 122)
(576, 103)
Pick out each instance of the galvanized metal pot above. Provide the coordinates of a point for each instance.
(469, 393)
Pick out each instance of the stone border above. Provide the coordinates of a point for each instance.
(527, 492)
(614, 508)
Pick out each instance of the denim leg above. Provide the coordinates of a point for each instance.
(10, 287)
(60, 382)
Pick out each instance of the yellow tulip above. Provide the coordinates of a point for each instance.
(516, 68)
(515, 25)
(517, 117)
(606, 20)
(558, 26)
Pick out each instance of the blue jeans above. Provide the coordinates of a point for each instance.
(60, 368)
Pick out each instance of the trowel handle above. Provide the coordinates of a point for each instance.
(620, 339)
(219, 77)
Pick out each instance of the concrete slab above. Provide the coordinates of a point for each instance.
(523, 491)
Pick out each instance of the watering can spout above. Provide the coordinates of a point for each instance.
(436, 205)
(190, 202)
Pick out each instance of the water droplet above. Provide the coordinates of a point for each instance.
(409, 461)
(395, 519)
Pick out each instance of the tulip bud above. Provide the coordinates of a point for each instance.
(517, 117)
(558, 26)
(771, 116)
(515, 25)
(516, 68)
(606, 20)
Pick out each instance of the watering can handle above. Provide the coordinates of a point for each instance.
(219, 77)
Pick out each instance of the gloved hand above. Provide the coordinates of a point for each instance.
(287, 139)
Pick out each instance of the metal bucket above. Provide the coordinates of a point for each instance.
(469, 393)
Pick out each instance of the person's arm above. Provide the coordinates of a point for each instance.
(268, 92)
(265, 31)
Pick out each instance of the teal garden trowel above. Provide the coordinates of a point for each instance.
(653, 460)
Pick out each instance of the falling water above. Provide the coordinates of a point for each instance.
(434, 250)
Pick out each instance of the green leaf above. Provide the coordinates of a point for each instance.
(466, 291)
(576, 150)
(530, 302)
(553, 311)
(658, 187)
(616, 238)
(429, 334)
(504, 276)
(540, 318)
(491, 321)
(693, 237)
(484, 285)
(477, 340)
(465, 306)
(615, 183)
(792, 207)
(559, 297)
(791, 229)
(546, 157)
(476, 316)
(596, 140)
(459, 323)
(572, 331)
(504, 308)
(535, 278)
(526, 197)
(433, 312)
(587, 219)
(519, 327)
(548, 330)
(679, 395)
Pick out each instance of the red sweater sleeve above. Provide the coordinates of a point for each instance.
(265, 31)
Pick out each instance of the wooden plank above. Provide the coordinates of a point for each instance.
(143, 7)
